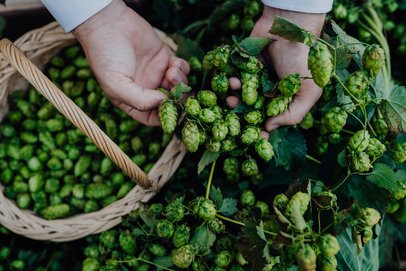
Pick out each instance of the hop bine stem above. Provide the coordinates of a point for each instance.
(213, 166)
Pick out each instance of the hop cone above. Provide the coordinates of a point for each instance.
(321, 145)
(254, 117)
(278, 106)
(218, 112)
(359, 141)
(250, 64)
(306, 258)
(375, 148)
(202, 137)
(259, 104)
(220, 83)
(307, 122)
(207, 98)
(399, 152)
(213, 145)
(221, 56)
(250, 90)
(328, 263)
(289, 85)
(233, 123)
(207, 63)
(207, 115)
(168, 116)
(264, 149)
(219, 130)
(320, 63)
(195, 63)
(373, 59)
(357, 83)
(361, 162)
(192, 106)
(190, 136)
(249, 167)
(380, 126)
(230, 166)
(334, 138)
(334, 120)
(183, 256)
(228, 144)
(250, 135)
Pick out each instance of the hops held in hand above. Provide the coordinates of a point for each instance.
(191, 136)
(168, 116)
(278, 106)
(289, 85)
(320, 63)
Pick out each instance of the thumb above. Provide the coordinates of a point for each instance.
(125, 90)
(301, 104)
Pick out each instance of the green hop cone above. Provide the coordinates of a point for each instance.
(207, 115)
(247, 24)
(219, 130)
(168, 116)
(207, 98)
(263, 207)
(250, 135)
(277, 106)
(328, 263)
(127, 243)
(361, 162)
(192, 107)
(204, 208)
(164, 229)
(250, 90)
(307, 122)
(216, 226)
(369, 216)
(367, 234)
(320, 63)
(207, 63)
(213, 145)
(220, 83)
(223, 258)
(252, 9)
(221, 57)
(375, 148)
(195, 63)
(398, 152)
(259, 104)
(157, 249)
(359, 141)
(300, 198)
(289, 85)
(175, 211)
(233, 123)
(202, 137)
(306, 258)
(373, 59)
(249, 167)
(247, 198)
(218, 112)
(357, 83)
(328, 245)
(181, 235)
(183, 256)
(249, 64)
(334, 138)
(264, 149)
(380, 126)
(334, 120)
(190, 136)
(233, 22)
(280, 201)
(254, 117)
(228, 144)
(321, 145)
(230, 166)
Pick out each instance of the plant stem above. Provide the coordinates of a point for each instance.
(341, 183)
(230, 220)
(348, 131)
(311, 158)
(148, 262)
(213, 166)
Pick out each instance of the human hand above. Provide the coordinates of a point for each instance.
(130, 61)
(287, 57)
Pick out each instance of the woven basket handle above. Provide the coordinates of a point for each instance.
(71, 111)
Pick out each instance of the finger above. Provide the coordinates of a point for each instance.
(301, 104)
(149, 118)
(264, 134)
(235, 83)
(128, 92)
(174, 76)
(179, 63)
(232, 101)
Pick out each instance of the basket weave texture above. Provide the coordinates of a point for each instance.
(39, 46)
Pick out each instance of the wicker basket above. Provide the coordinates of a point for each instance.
(39, 46)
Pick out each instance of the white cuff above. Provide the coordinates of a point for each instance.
(71, 13)
(307, 6)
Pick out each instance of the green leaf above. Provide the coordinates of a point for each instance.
(260, 231)
(165, 261)
(221, 12)
(208, 157)
(293, 268)
(229, 207)
(187, 47)
(343, 38)
(203, 239)
(342, 159)
(216, 196)
(289, 145)
(384, 177)
(394, 110)
(254, 45)
(179, 89)
(348, 259)
(267, 85)
(241, 108)
(289, 30)
(401, 175)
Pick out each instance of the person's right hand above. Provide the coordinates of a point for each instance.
(130, 61)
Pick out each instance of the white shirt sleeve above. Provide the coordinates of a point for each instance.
(307, 6)
(71, 13)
